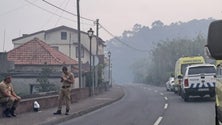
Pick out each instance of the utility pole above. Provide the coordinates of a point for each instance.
(97, 49)
(97, 36)
(70, 45)
(79, 46)
(4, 42)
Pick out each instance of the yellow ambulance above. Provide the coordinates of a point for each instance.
(180, 68)
(213, 49)
(218, 62)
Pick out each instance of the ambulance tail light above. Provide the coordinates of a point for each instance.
(186, 83)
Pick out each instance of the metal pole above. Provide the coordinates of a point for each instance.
(97, 49)
(79, 46)
(93, 78)
(70, 45)
(4, 42)
(111, 73)
(97, 36)
(90, 63)
(109, 70)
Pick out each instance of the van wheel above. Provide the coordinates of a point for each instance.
(175, 91)
(186, 97)
(182, 94)
(179, 91)
(212, 95)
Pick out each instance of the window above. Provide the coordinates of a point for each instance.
(55, 47)
(77, 52)
(63, 35)
(202, 70)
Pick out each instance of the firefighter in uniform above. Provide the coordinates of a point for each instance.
(65, 93)
(9, 97)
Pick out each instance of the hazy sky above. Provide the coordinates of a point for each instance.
(19, 17)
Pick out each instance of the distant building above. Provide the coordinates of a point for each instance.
(65, 40)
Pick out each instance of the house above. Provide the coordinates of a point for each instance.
(31, 57)
(34, 54)
(65, 40)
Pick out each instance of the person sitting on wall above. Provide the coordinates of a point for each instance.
(9, 97)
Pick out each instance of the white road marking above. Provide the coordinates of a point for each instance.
(155, 91)
(158, 120)
(165, 98)
(166, 106)
(161, 93)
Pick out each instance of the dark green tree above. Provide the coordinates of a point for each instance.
(44, 84)
(164, 56)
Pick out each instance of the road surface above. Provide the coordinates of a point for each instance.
(149, 105)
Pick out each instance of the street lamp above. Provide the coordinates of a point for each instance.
(90, 34)
(109, 55)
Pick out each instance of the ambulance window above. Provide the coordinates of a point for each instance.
(202, 69)
(183, 68)
(219, 71)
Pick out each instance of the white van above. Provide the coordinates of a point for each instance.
(199, 80)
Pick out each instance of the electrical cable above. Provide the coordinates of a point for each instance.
(136, 49)
(15, 9)
(67, 11)
(48, 11)
(57, 21)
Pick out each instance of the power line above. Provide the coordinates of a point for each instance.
(85, 19)
(61, 12)
(54, 13)
(67, 11)
(15, 9)
(49, 11)
(124, 43)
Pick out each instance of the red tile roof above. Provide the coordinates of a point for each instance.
(38, 52)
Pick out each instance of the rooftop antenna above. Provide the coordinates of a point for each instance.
(4, 42)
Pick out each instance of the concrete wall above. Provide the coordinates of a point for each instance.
(22, 85)
(38, 68)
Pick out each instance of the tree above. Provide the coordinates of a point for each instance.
(158, 24)
(164, 57)
(44, 84)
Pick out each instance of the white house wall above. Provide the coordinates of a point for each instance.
(68, 46)
(28, 38)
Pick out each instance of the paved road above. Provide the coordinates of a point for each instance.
(148, 105)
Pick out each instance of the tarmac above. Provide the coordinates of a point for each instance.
(46, 117)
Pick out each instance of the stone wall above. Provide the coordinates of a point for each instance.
(49, 100)
(26, 105)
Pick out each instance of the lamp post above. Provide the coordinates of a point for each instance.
(90, 34)
(111, 73)
(109, 55)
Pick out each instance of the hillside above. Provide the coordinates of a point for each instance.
(135, 44)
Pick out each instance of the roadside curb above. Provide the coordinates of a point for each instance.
(83, 112)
